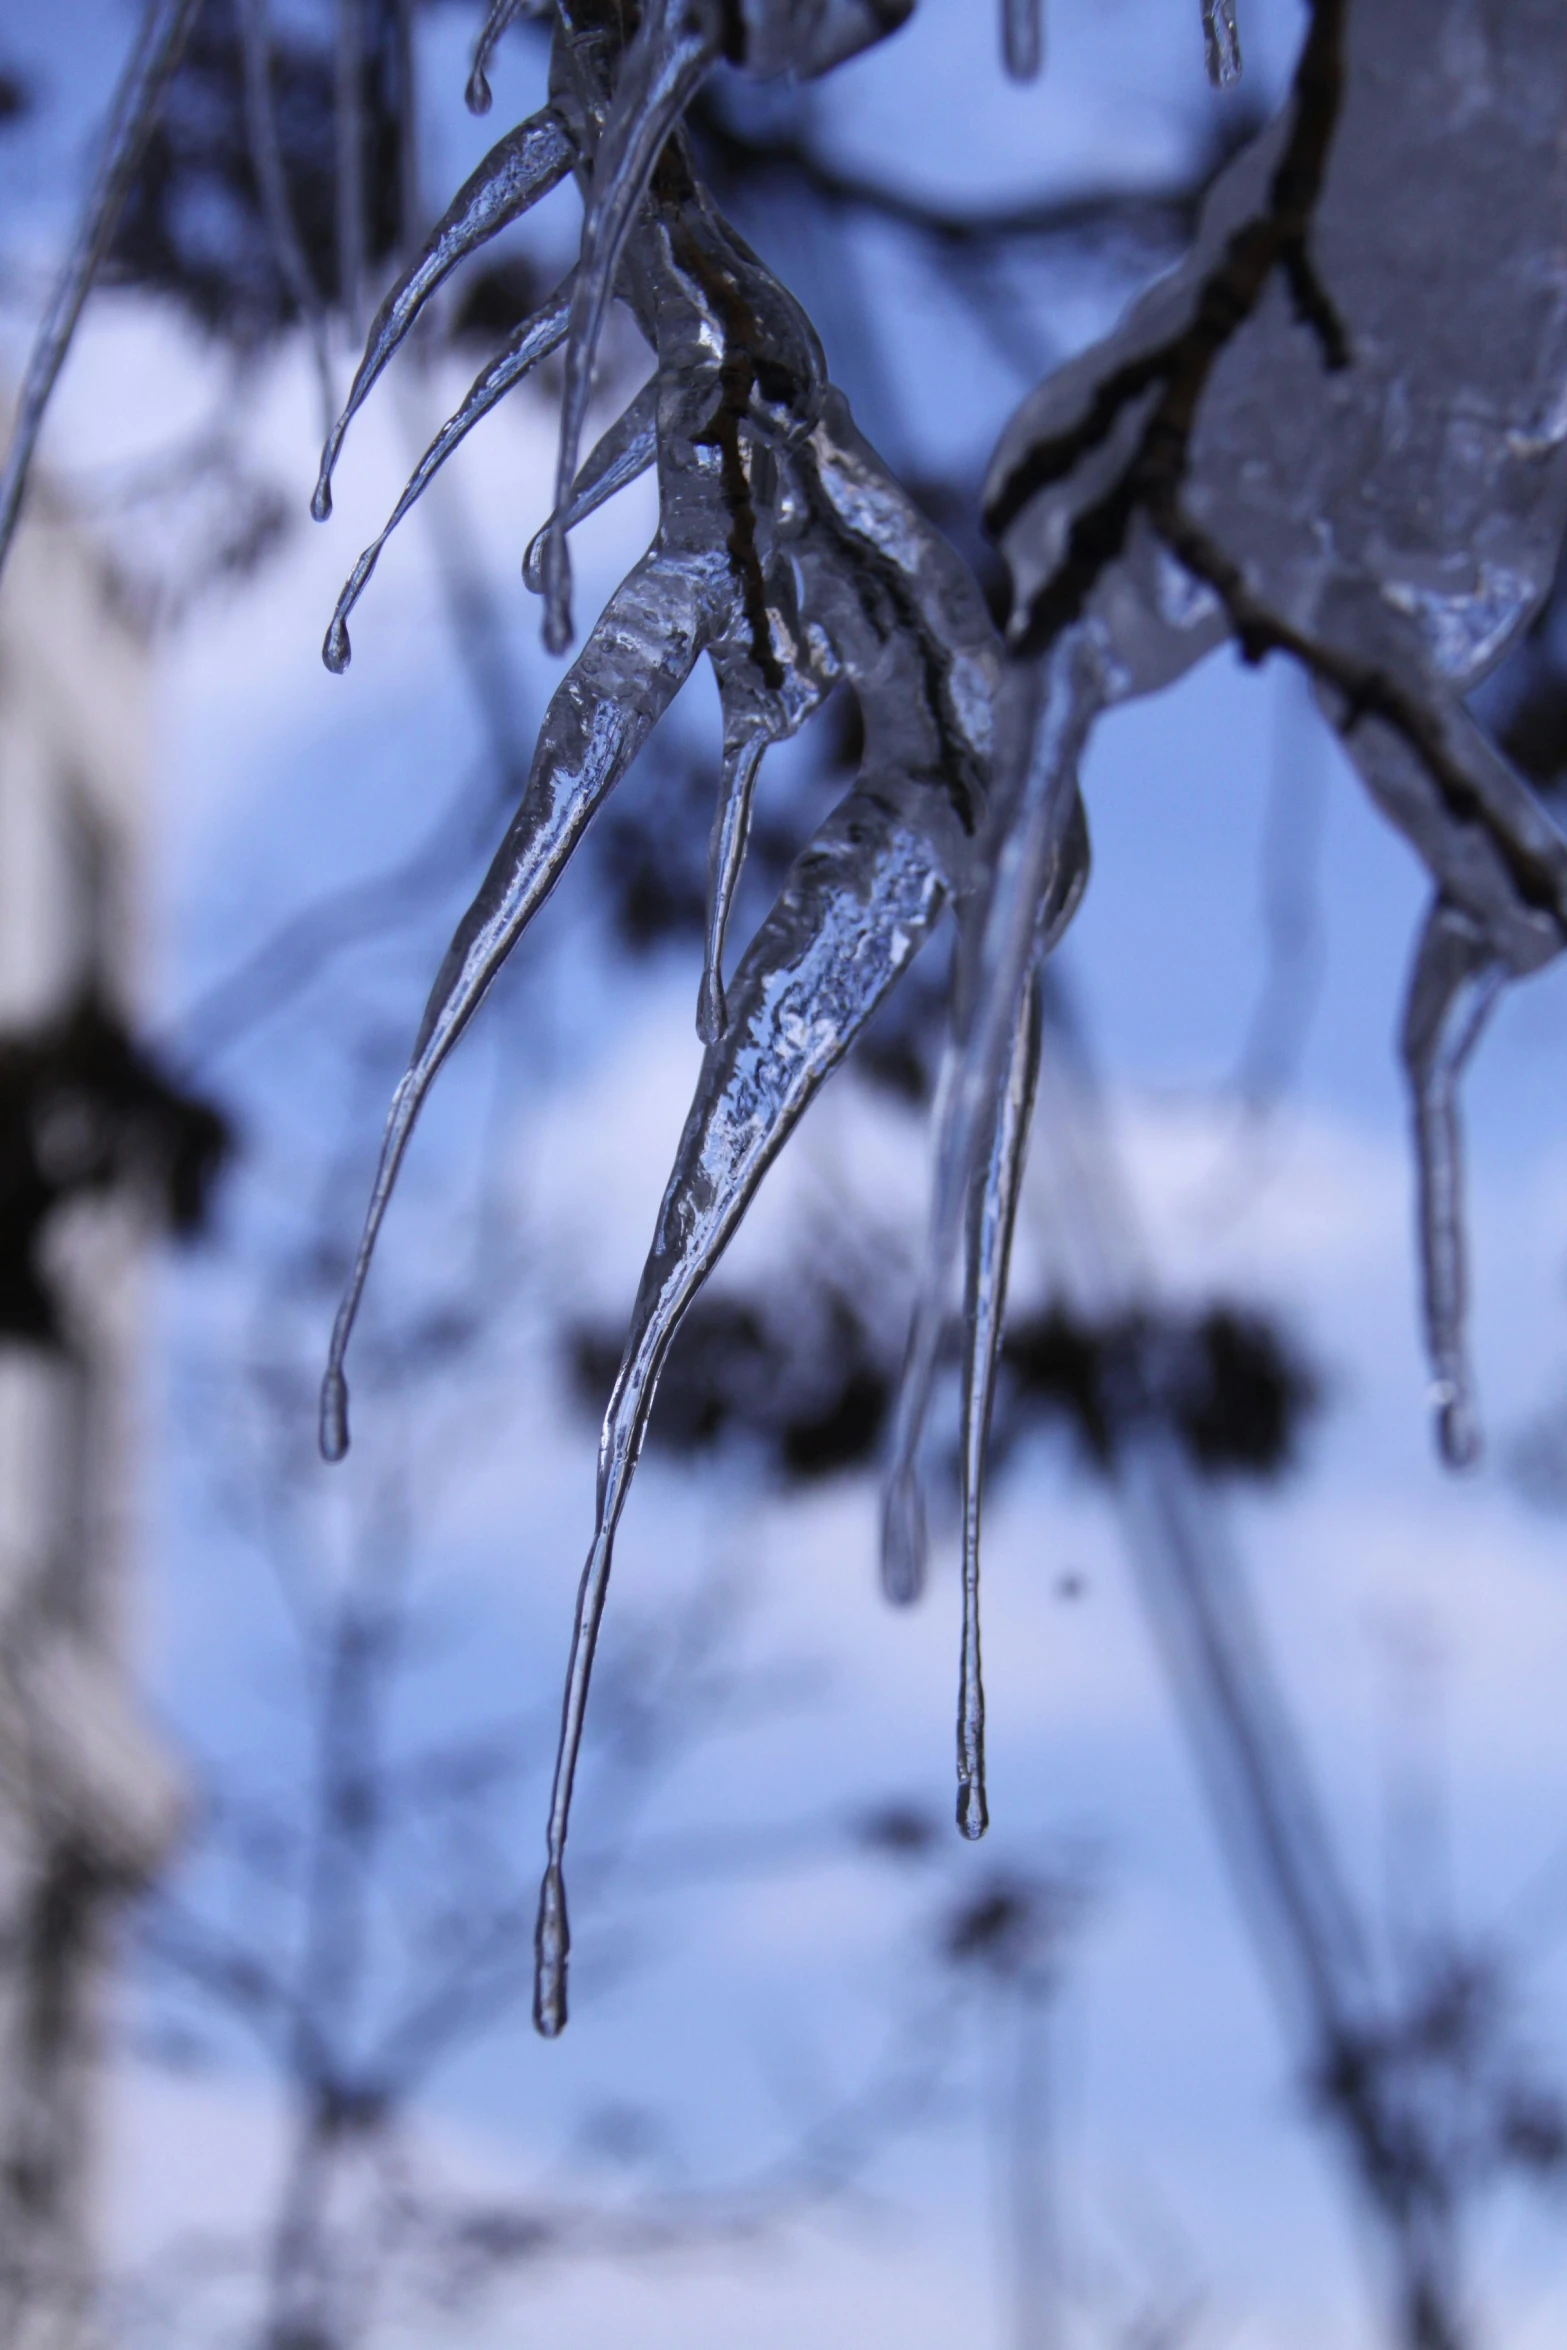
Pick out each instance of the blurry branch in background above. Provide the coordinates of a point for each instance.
(1416, 2069)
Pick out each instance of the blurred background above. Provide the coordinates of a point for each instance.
(1247, 2022)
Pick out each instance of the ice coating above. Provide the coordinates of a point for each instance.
(503, 13)
(159, 43)
(1337, 432)
(517, 171)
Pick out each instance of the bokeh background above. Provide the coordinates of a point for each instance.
(831, 2074)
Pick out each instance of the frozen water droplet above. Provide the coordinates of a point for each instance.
(337, 652)
(321, 499)
(334, 1415)
(903, 1536)
(551, 1949)
(973, 1813)
(1221, 43)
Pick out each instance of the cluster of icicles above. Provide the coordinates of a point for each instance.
(787, 553)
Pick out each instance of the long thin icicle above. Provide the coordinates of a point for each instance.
(743, 749)
(659, 75)
(266, 155)
(164, 28)
(1035, 873)
(623, 455)
(534, 340)
(857, 906)
(991, 1217)
(1023, 38)
(1221, 43)
(516, 173)
(1455, 982)
(602, 712)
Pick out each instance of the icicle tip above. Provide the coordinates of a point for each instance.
(336, 651)
(903, 1538)
(973, 1810)
(712, 1012)
(551, 1946)
(334, 1416)
(321, 496)
(1457, 1428)
(478, 96)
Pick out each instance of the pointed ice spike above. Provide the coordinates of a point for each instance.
(1039, 877)
(726, 854)
(626, 451)
(602, 712)
(1221, 43)
(856, 907)
(477, 97)
(1023, 38)
(659, 75)
(164, 27)
(537, 336)
(517, 172)
(266, 157)
(1454, 984)
(1044, 715)
(992, 1214)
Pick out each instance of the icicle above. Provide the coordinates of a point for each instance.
(992, 1214)
(626, 451)
(659, 75)
(1039, 874)
(1023, 38)
(537, 336)
(350, 161)
(1454, 984)
(164, 28)
(477, 96)
(517, 172)
(858, 904)
(726, 854)
(266, 157)
(602, 712)
(1221, 43)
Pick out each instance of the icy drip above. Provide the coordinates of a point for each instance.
(1454, 985)
(534, 340)
(992, 1217)
(1221, 43)
(623, 455)
(477, 97)
(165, 27)
(266, 156)
(659, 75)
(517, 172)
(857, 906)
(726, 854)
(1023, 38)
